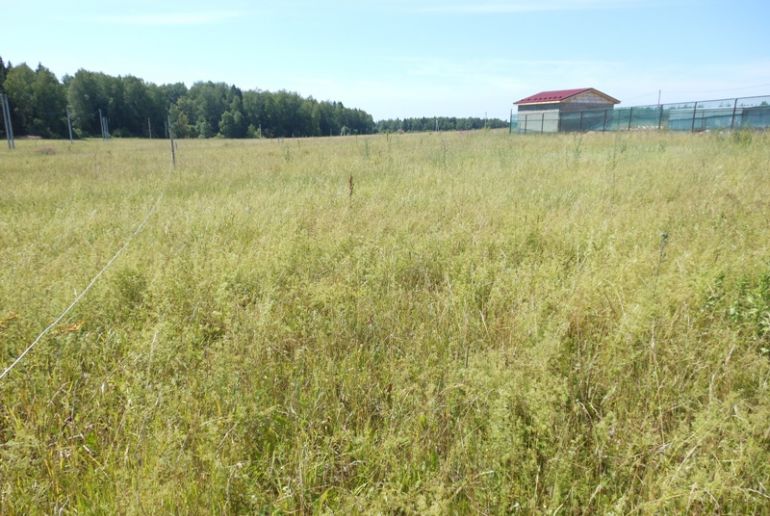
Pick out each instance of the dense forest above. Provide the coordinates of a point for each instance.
(39, 104)
(137, 108)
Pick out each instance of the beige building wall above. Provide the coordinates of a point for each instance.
(543, 121)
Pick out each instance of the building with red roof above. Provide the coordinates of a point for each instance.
(553, 111)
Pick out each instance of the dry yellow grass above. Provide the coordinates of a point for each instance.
(485, 323)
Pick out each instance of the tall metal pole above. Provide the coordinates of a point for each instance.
(10, 122)
(694, 110)
(735, 107)
(7, 121)
(69, 124)
(101, 123)
(660, 116)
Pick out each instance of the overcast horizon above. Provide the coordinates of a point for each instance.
(421, 58)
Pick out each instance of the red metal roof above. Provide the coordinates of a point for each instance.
(546, 97)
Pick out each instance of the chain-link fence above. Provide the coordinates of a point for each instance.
(701, 115)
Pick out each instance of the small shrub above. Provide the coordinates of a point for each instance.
(130, 285)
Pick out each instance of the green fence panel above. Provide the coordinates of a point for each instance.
(703, 115)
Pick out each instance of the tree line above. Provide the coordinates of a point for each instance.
(441, 123)
(137, 108)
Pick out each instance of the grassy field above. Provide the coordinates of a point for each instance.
(489, 323)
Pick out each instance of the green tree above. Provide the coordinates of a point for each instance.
(173, 92)
(138, 106)
(19, 86)
(38, 102)
(233, 123)
(3, 73)
(49, 104)
(180, 124)
(204, 129)
(87, 94)
(209, 100)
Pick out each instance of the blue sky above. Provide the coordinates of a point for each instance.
(409, 58)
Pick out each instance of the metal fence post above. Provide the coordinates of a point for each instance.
(660, 117)
(630, 117)
(542, 123)
(604, 123)
(732, 122)
(694, 110)
(581, 121)
(10, 122)
(171, 139)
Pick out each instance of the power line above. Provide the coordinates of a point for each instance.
(85, 291)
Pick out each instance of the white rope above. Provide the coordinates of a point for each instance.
(85, 291)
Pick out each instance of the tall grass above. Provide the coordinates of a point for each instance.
(488, 324)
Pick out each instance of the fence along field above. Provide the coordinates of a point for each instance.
(487, 324)
(695, 116)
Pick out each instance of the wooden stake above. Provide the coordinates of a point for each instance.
(171, 139)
